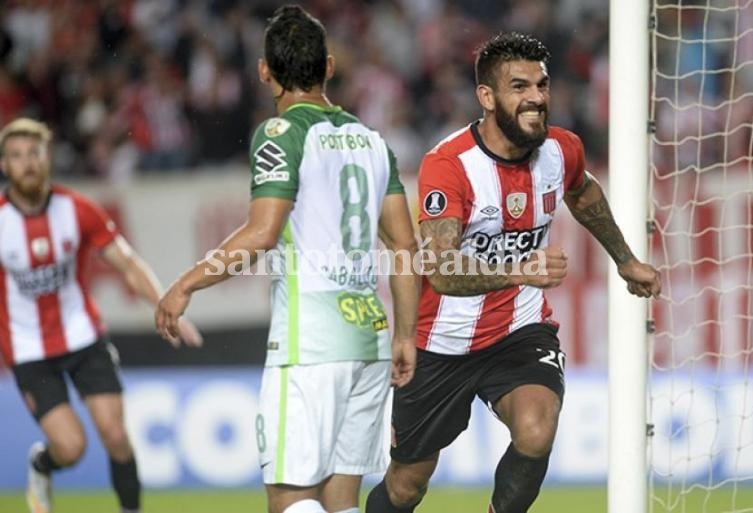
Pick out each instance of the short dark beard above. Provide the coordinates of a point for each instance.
(508, 123)
(32, 194)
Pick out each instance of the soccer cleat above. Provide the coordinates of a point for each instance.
(39, 486)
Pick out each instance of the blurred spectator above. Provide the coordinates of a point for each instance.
(135, 86)
(12, 97)
(28, 24)
(157, 107)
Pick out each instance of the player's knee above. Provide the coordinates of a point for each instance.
(534, 436)
(68, 450)
(405, 493)
(115, 440)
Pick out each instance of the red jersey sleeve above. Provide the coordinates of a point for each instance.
(442, 187)
(97, 229)
(575, 160)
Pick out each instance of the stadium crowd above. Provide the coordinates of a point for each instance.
(142, 85)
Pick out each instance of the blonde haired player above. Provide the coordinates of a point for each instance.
(49, 324)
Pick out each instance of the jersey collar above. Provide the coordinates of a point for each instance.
(491, 154)
(334, 108)
(39, 212)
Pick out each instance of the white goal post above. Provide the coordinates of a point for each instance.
(681, 163)
(628, 194)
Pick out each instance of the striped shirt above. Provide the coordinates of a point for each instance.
(45, 307)
(506, 208)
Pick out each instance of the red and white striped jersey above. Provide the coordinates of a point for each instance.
(45, 308)
(506, 208)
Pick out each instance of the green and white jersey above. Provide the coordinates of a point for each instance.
(338, 171)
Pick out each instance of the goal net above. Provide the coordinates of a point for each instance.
(701, 376)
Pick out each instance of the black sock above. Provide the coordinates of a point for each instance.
(517, 481)
(125, 480)
(44, 463)
(378, 501)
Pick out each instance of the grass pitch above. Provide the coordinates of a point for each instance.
(438, 500)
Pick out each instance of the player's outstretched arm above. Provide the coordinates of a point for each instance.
(266, 218)
(590, 208)
(141, 279)
(396, 231)
(453, 274)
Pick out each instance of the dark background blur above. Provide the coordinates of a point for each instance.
(140, 88)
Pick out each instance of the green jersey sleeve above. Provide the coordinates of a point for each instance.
(394, 186)
(276, 153)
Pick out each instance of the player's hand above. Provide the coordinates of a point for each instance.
(167, 316)
(188, 332)
(642, 279)
(546, 268)
(403, 360)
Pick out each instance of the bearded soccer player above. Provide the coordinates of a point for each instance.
(320, 181)
(49, 325)
(488, 193)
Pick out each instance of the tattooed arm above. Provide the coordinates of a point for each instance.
(453, 274)
(590, 208)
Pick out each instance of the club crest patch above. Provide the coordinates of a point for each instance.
(516, 203)
(435, 202)
(549, 201)
(276, 126)
(40, 248)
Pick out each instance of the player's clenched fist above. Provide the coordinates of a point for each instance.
(545, 268)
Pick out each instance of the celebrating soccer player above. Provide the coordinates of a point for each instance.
(488, 194)
(49, 325)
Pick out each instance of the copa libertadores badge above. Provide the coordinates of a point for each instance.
(435, 202)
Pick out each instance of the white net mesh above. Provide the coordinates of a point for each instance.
(701, 396)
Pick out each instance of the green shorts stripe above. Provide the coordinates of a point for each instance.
(280, 463)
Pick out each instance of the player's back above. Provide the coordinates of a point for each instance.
(338, 172)
(343, 178)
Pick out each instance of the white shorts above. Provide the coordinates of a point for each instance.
(322, 419)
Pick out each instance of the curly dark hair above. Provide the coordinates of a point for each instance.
(506, 47)
(295, 48)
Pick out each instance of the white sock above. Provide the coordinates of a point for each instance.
(349, 510)
(305, 506)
